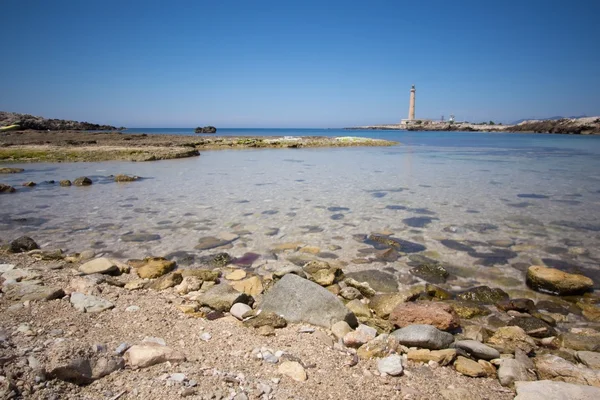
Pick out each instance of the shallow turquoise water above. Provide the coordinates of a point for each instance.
(540, 191)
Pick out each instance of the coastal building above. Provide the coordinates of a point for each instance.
(411, 108)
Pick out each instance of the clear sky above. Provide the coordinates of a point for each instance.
(286, 63)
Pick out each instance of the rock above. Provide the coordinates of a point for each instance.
(390, 365)
(477, 349)
(29, 184)
(23, 244)
(468, 367)
(252, 286)
(488, 367)
(483, 295)
(166, 281)
(205, 275)
(363, 334)
(581, 341)
(148, 354)
(154, 267)
(363, 287)
(206, 129)
(266, 319)
(87, 284)
(379, 324)
(321, 272)
(550, 390)
(379, 281)
(140, 237)
(82, 181)
(300, 300)
(591, 312)
(521, 305)
(383, 304)
(340, 329)
(9, 170)
(442, 357)
(236, 275)
(6, 188)
(440, 315)
(106, 365)
(520, 368)
(211, 242)
(30, 292)
(65, 183)
(136, 284)
(381, 346)
(468, 310)
(222, 297)
(188, 284)
(424, 336)
(89, 304)
(431, 272)
(100, 265)
(556, 368)
(126, 178)
(554, 281)
(509, 338)
(289, 269)
(360, 309)
(589, 358)
(533, 326)
(350, 293)
(293, 370)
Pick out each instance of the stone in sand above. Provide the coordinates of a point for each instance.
(222, 297)
(551, 390)
(100, 265)
(440, 315)
(89, 303)
(149, 354)
(477, 349)
(381, 346)
(166, 281)
(24, 291)
(23, 244)
(390, 365)
(153, 267)
(442, 357)
(554, 281)
(469, 367)
(294, 370)
(424, 336)
(300, 300)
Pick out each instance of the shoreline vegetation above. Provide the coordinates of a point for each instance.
(574, 126)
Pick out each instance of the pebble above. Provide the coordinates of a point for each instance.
(239, 309)
(206, 336)
(132, 309)
(122, 348)
(177, 377)
(293, 370)
(390, 365)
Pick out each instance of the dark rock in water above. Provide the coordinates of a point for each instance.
(270, 212)
(206, 129)
(378, 280)
(140, 237)
(558, 307)
(472, 211)
(521, 266)
(82, 181)
(533, 326)
(126, 178)
(423, 211)
(483, 295)
(431, 272)
(29, 184)
(378, 195)
(337, 209)
(387, 255)
(522, 204)
(6, 188)
(481, 228)
(578, 225)
(394, 207)
(336, 217)
(327, 255)
(521, 305)
(8, 170)
(23, 244)
(215, 260)
(556, 250)
(210, 242)
(496, 256)
(456, 245)
(532, 196)
(246, 260)
(182, 258)
(418, 222)
(312, 229)
(385, 242)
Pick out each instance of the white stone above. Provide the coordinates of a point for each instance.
(390, 365)
(132, 309)
(239, 309)
(552, 390)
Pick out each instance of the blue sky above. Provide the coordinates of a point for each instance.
(298, 63)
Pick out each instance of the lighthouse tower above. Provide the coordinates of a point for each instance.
(411, 108)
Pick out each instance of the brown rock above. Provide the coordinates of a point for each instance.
(508, 338)
(148, 354)
(166, 281)
(384, 304)
(440, 315)
(205, 275)
(554, 281)
(381, 346)
(154, 267)
(252, 286)
(556, 368)
(442, 357)
(266, 318)
(469, 367)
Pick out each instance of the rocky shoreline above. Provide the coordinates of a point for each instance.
(573, 126)
(10, 121)
(83, 325)
(71, 146)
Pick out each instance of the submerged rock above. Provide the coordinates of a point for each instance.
(6, 188)
(23, 244)
(533, 326)
(82, 181)
(379, 281)
(483, 295)
(554, 281)
(299, 300)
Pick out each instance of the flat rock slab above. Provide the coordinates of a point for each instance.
(477, 349)
(100, 265)
(589, 358)
(149, 354)
(553, 367)
(423, 336)
(299, 300)
(222, 297)
(554, 281)
(89, 304)
(551, 390)
(24, 291)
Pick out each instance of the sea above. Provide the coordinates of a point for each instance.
(485, 206)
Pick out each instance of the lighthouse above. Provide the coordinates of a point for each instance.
(411, 108)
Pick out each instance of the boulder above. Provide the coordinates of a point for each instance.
(520, 368)
(589, 358)
(483, 295)
(556, 368)
(10, 170)
(557, 282)
(423, 336)
(440, 315)
(89, 304)
(477, 349)
(154, 267)
(23, 291)
(23, 244)
(508, 338)
(383, 304)
(65, 183)
(222, 297)
(469, 367)
(126, 178)
(100, 265)
(148, 354)
(6, 188)
(82, 181)
(300, 300)
(166, 281)
(551, 390)
(533, 326)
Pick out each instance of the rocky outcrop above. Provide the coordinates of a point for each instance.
(206, 129)
(26, 121)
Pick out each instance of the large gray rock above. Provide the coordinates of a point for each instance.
(300, 300)
(477, 349)
(423, 336)
(516, 369)
(89, 304)
(24, 291)
(551, 390)
(222, 297)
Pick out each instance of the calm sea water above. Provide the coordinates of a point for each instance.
(538, 193)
